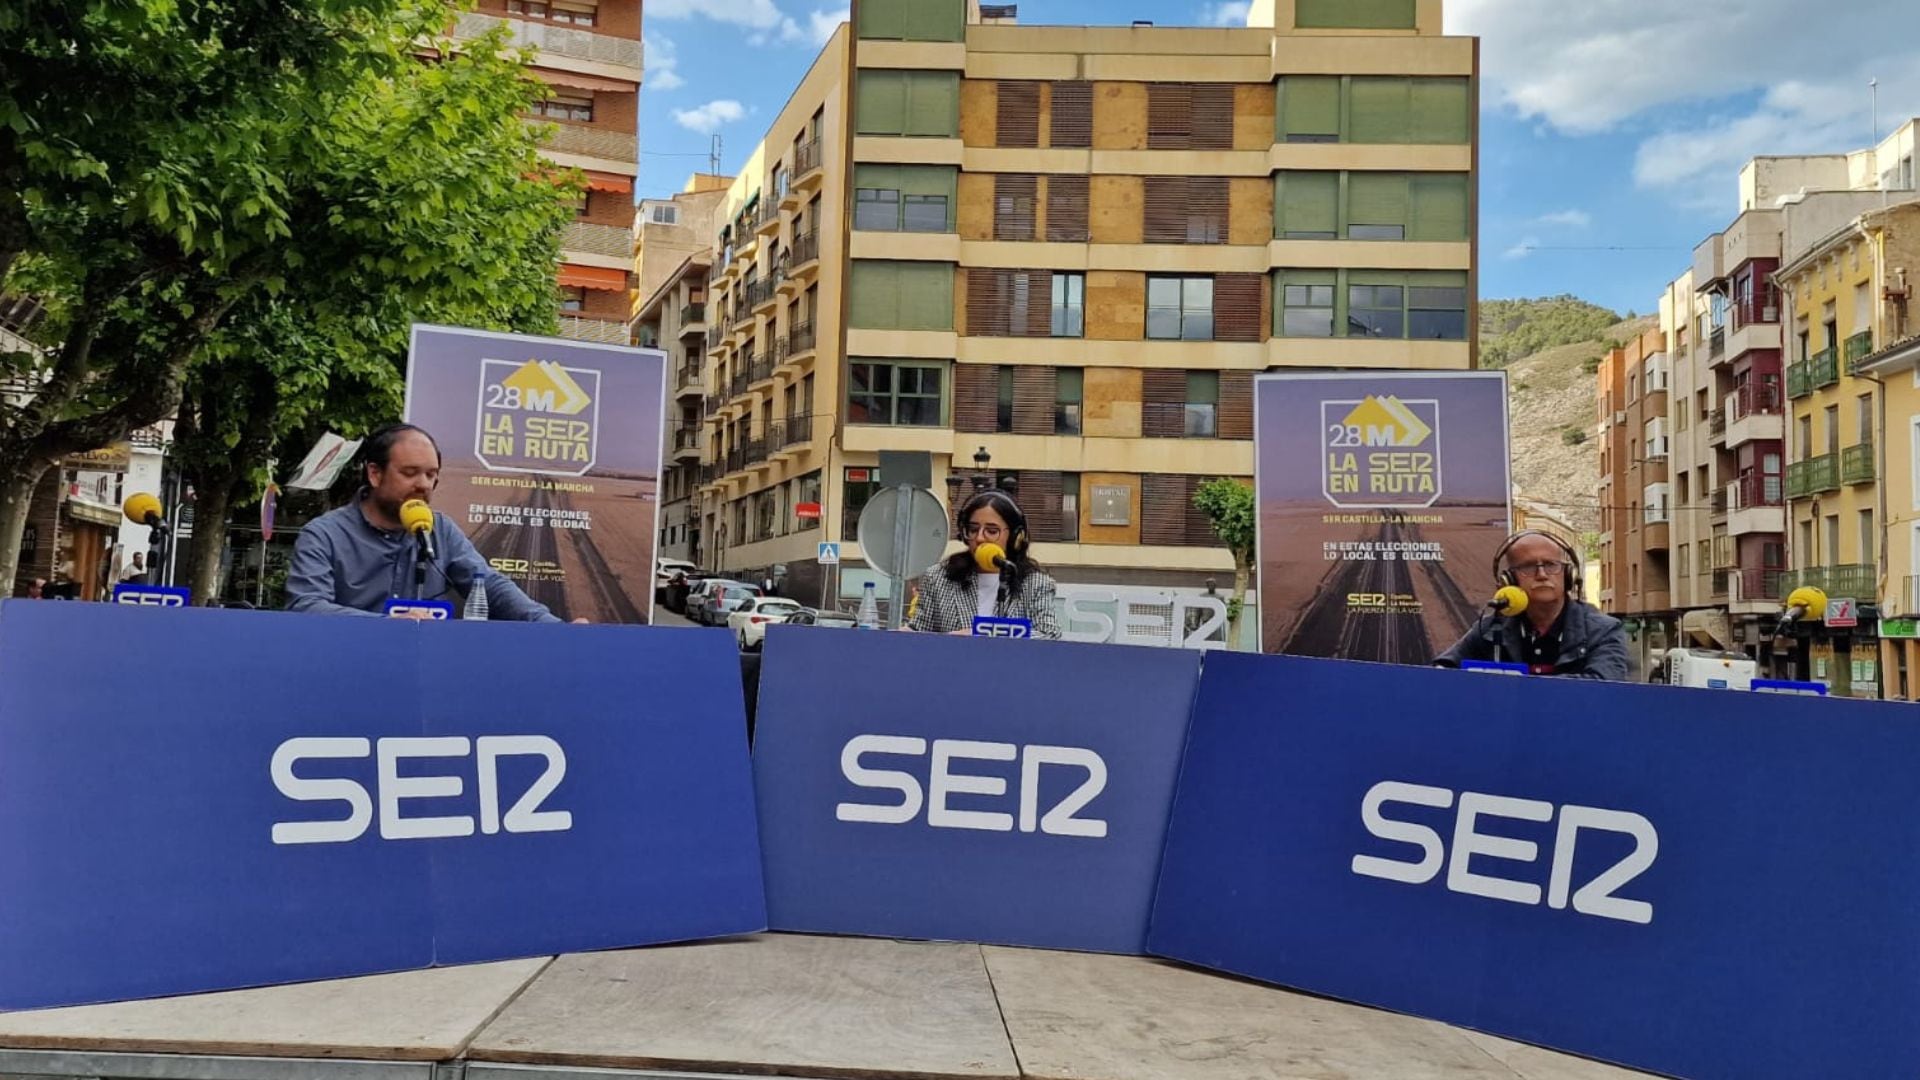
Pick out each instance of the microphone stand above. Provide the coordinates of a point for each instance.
(419, 566)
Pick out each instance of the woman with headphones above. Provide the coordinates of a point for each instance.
(951, 593)
(1543, 622)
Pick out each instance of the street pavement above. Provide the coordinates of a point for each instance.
(663, 617)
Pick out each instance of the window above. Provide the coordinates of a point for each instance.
(1069, 303)
(573, 298)
(1067, 209)
(1684, 561)
(1354, 14)
(1067, 395)
(1014, 195)
(1003, 414)
(1833, 429)
(1180, 308)
(1070, 507)
(916, 103)
(858, 486)
(570, 12)
(1306, 205)
(886, 295)
(1863, 418)
(663, 213)
(913, 20)
(903, 198)
(1203, 403)
(1866, 537)
(1017, 119)
(1189, 116)
(902, 394)
(1071, 120)
(565, 107)
(1832, 552)
(1803, 438)
(1185, 210)
(1419, 305)
(1373, 109)
(1306, 309)
(781, 184)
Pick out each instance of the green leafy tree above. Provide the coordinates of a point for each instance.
(421, 199)
(1513, 329)
(1229, 506)
(145, 154)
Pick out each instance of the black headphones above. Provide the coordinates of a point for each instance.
(1574, 579)
(1002, 504)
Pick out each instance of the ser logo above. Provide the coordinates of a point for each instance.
(1597, 897)
(511, 566)
(392, 789)
(1380, 453)
(537, 417)
(1361, 601)
(943, 781)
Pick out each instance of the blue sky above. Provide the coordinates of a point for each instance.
(1612, 131)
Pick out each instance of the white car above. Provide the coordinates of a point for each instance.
(664, 571)
(750, 620)
(697, 606)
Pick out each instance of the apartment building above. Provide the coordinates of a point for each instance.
(1054, 258)
(588, 54)
(1893, 240)
(1637, 506)
(1841, 414)
(1730, 338)
(671, 261)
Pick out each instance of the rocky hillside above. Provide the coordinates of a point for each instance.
(1551, 394)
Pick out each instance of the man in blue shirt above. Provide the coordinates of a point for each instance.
(352, 560)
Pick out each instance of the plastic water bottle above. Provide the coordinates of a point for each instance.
(869, 618)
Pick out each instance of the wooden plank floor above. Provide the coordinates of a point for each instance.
(407, 1016)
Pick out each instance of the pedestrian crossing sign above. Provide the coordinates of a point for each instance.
(829, 553)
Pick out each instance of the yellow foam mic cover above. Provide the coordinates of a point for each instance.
(139, 505)
(1510, 600)
(985, 554)
(416, 516)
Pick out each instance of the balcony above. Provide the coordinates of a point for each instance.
(687, 382)
(791, 434)
(766, 220)
(1717, 425)
(807, 159)
(556, 40)
(1754, 324)
(1852, 580)
(738, 387)
(686, 444)
(803, 259)
(716, 402)
(759, 369)
(1856, 464)
(1823, 369)
(760, 295)
(756, 450)
(736, 460)
(1716, 346)
(1799, 379)
(800, 341)
(608, 240)
(1813, 476)
(693, 318)
(618, 146)
(1756, 585)
(1757, 506)
(716, 338)
(1858, 348)
(1717, 505)
(1756, 415)
(581, 328)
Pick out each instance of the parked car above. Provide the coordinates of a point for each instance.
(665, 572)
(683, 583)
(696, 603)
(718, 601)
(751, 619)
(838, 620)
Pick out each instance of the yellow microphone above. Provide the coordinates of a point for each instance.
(1509, 600)
(142, 508)
(1803, 601)
(990, 558)
(417, 518)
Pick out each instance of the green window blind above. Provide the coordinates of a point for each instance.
(1376, 206)
(933, 103)
(1439, 111)
(1307, 205)
(1439, 205)
(913, 20)
(880, 103)
(1353, 14)
(1379, 110)
(887, 295)
(1309, 107)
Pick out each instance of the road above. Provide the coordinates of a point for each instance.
(663, 617)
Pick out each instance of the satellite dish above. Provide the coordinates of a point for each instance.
(903, 531)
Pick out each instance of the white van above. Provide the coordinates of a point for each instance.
(1709, 669)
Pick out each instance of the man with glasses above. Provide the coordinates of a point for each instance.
(1558, 633)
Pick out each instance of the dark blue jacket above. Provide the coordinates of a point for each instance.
(1593, 644)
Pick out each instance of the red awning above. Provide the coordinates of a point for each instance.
(585, 82)
(605, 181)
(593, 277)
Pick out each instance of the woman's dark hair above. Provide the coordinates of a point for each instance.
(960, 566)
(378, 447)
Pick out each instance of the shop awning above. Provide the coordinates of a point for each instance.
(605, 181)
(593, 277)
(586, 82)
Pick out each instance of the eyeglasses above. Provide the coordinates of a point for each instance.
(988, 531)
(1543, 568)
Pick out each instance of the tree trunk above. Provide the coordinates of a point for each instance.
(213, 496)
(16, 499)
(1242, 577)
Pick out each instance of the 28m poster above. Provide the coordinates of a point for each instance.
(550, 460)
(1381, 500)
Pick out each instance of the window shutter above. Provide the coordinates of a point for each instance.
(1039, 309)
(1206, 210)
(1376, 198)
(1034, 390)
(1013, 195)
(1236, 307)
(1439, 111)
(1235, 420)
(1439, 207)
(1019, 114)
(1072, 120)
(1169, 116)
(1212, 124)
(1163, 403)
(1163, 520)
(988, 302)
(933, 103)
(1164, 210)
(1379, 109)
(1199, 530)
(976, 390)
(1309, 105)
(1040, 500)
(1067, 209)
(880, 107)
(1309, 202)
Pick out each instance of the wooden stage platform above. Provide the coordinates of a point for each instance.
(769, 1005)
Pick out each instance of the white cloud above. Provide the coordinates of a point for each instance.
(1522, 249)
(663, 64)
(1225, 13)
(1678, 70)
(754, 14)
(1566, 219)
(822, 24)
(707, 118)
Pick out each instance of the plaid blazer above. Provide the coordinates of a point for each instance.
(941, 606)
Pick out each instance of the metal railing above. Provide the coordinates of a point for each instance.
(756, 450)
(1717, 341)
(799, 429)
(1754, 311)
(556, 40)
(686, 438)
(1812, 476)
(1799, 379)
(800, 339)
(738, 386)
(1822, 369)
(743, 313)
(1755, 490)
(715, 402)
(1756, 399)
(807, 158)
(1856, 464)
(608, 240)
(1717, 422)
(759, 291)
(760, 369)
(1844, 579)
(606, 331)
(715, 335)
(687, 377)
(1858, 348)
(1717, 503)
(806, 249)
(736, 459)
(621, 146)
(695, 312)
(1761, 584)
